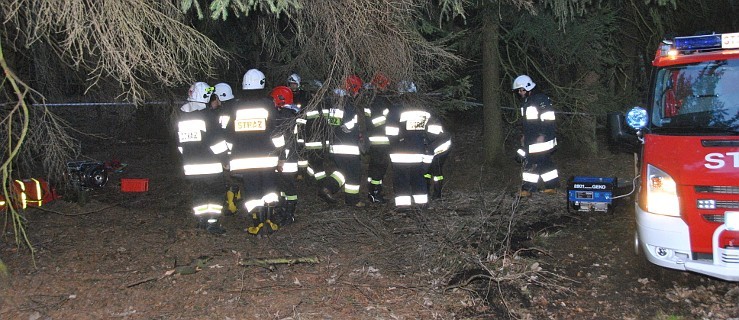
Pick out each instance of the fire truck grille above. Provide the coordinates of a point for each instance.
(719, 218)
(730, 257)
(717, 189)
(727, 204)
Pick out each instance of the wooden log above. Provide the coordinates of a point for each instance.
(266, 263)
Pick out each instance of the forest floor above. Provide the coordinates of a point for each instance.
(480, 252)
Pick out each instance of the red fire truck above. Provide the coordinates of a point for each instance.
(687, 142)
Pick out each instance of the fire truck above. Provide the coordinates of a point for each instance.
(686, 142)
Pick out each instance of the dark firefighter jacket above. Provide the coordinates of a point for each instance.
(201, 141)
(415, 135)
(251, 132)
(538, 124)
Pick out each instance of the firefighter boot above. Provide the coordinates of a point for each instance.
(354, 200)
(327, 195)
(258, 216)
(271, 217)
(202, 223)
(287, 216)
(438, 185)
(233, 195)
(214, 227)
(375, 194)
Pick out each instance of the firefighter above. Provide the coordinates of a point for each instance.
(411, 130)
(300, 100)
(315, 144)
(255, 146)
(223, 96)
(344, 146)
(201, 142)
(538, 140)
(378, 141)
(287, 111)
(440, 153)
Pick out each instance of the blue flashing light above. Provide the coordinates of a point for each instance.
(637, 118)
(712, 41)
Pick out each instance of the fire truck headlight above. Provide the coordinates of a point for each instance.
(661, 193)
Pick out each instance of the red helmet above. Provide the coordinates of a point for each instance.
(380, 81)
(353, 84)
(282, 96)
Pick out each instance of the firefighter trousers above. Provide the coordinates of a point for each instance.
(539, 168)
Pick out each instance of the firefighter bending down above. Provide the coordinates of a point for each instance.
(538, 141)
(344, 146)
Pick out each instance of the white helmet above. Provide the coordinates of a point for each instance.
(294, 78)
(197, 96)
(340, 92)
(253, 80)
(523, 81)
(224, 92)
(199, 92)
(407, 87)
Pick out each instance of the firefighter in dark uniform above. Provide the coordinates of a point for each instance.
(412, 131)
(315, 146)
(435, 175)
(287, 113)
(201, 143)
(255, 145)
(300, 100)
(378, 141)
(344, 146)
(538, 140)
(224, 96)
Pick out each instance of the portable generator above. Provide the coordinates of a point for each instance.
(585, 193)
(87, 175)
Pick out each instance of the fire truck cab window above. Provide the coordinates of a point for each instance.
(698, 96)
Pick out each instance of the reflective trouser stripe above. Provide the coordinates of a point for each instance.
(351, 188)
(420, 198)
(251, 204)
(319, 175)
(530, 177)
(271, 197)
(290, 167)
(339, 177)
(403, 200)
(207, 208)
(548, 176)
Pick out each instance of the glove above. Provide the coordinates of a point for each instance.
(520, 155)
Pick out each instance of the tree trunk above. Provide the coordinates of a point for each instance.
(493, 141)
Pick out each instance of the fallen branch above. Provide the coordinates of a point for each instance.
(166, 274)
(266, 263)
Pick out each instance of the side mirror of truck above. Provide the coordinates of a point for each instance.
(618, 127)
